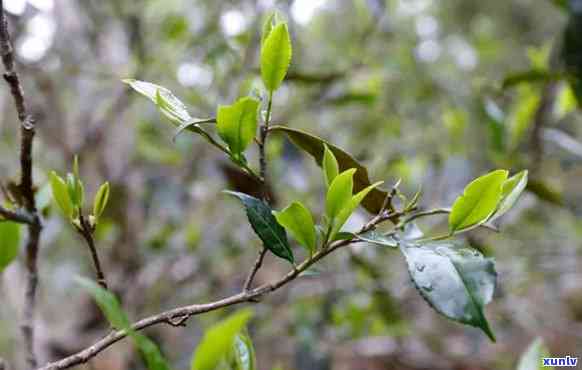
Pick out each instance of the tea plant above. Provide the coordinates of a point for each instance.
(455, 279)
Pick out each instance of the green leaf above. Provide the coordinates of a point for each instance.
(107, 302)
(150, 352)
(456, 281)
(510, 192)
(112, 310)
(376, 237)
(167, 103)
(101, 199)
(314, 146)
(339, 193)
(266, 226)
(349, 208)
(218, 341)
(330, 166)
(61, 194)
(9, 242)
(275, 56)
(478, 201)
(297, 219)
(244, 353)
(531, 359)
(237, 124)
(270, 21)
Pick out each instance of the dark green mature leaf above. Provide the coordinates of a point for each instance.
(244, 353)
(166, 102)
(266, 226)
(297, 219)
(218, 341)
(9, 242)
(510, 192)
(237, 124)
(478, 201)
(531, 359)
(114, 313)
(314, 146)
(275, 56)
(456, 281)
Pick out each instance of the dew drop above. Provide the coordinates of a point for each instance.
(419, 266)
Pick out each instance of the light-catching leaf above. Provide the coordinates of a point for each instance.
(218, 341)
(349, 208)
(101, 199)
(9, 242)
(237, 124)
(376, 237)
(456, 281)
(168, 104)
(244, 353)
(61, 194)
(330, 166)
(314, 146)
(531, 359)
(297, 219)
(510, 192)
(478, 201)
(266, 226)
(339, 193)
(275, 56)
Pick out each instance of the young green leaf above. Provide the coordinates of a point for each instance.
(349, 208)
(478, 201)
(531, 359)
(314, 146)
(275, 57)
(237, 124)
(268, 26)
(330, 165)
(166, 102)
(100, 201)
(266, 226)
(339, 193)
(244, 353)
(9, 242)
(297, 219)
(218, 341)
(150, 352)
(61, 194)
(456, 281)
(510, 192)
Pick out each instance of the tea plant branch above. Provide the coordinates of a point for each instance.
(179, 316)
(86, 231)
(437, 211)
(264, 132)
(26, 187)
(18, 215)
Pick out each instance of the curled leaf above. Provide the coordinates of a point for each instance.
(101, 199)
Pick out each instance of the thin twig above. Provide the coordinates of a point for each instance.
(179, 316)
(27, 132)
(86, 232)
(256, 267)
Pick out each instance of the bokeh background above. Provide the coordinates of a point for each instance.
(412, 88)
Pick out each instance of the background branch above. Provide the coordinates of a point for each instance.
(26, 186)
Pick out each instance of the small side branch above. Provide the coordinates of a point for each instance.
(256, 267)
(19, 216)
(86, 232)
